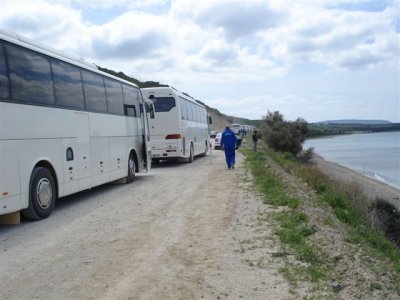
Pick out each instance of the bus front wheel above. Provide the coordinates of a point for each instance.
(131, 169)
(42, 195)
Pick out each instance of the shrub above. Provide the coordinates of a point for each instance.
(386, 218)
(284, 136)
(306, 155)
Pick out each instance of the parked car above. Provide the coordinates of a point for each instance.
(217, 141)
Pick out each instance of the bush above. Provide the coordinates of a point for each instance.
(386, 218)
(306, 155)
(284, 136)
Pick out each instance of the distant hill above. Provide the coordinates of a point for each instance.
(326, 129)
(351, 121)
(139, 83)
(220, 120)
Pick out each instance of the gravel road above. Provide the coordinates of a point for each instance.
(174, 233)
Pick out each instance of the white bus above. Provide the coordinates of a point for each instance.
(236, 128)
(180, 126)
(64, 127)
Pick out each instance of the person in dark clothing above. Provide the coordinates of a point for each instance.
(228, 144)
(255, 139)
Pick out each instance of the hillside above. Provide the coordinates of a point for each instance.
(354, 121)
(220, 120)
(317, 129)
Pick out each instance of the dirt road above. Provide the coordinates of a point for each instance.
(175, 233)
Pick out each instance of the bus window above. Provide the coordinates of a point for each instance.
(191, 111)
(115, 100)
(68, 85)
(4, 87)
(132, 98)
(183, 108)
(130, 110)
(198, 114)
(30, 76)
(95, 95)
(163, 104)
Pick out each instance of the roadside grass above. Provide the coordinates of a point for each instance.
(346, 201)
(348, 204)
(293, 230)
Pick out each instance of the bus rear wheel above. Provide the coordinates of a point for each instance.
(205, 150)
(131, 169)
(42, 195)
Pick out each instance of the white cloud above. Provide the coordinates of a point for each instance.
(130, 36)
(236, 18)
(54, 24)
(335, 38)
(233, 43)
(109, 4)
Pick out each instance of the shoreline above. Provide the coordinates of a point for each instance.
(371, 187)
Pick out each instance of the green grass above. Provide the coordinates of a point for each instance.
(346, 202)
(293, 230)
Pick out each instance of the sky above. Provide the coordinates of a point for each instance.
(314, 59)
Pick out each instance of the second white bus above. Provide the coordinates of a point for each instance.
(180, 128)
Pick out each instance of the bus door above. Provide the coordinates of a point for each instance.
(148, 112)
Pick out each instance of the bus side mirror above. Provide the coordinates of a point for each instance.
(209, 120)
(150, 110)
(150, 107)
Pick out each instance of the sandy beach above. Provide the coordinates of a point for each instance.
(372, 188)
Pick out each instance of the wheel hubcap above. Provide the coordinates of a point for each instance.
(44, 193)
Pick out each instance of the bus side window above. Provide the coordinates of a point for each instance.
(115, 99)
(183, 108)
(190, 110)
(68, 85)
(130, 110)
(4, 86)
(95, 92)
(30, 75)
(131, 99)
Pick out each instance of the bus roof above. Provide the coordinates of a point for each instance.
(47, 50)
(171, 90)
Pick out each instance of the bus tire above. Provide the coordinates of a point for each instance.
(205, 150)
(42, 195)
(131, 169)
(191, 154)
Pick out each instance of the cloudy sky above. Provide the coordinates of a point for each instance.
(315, 59)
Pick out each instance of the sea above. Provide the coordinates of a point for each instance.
(376, 155)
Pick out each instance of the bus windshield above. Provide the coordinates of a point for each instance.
(163, 104)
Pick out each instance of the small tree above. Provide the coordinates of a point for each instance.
(284, 136)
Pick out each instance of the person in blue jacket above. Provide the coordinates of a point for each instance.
(228, 144)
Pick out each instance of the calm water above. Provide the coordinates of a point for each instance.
(374, 154)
